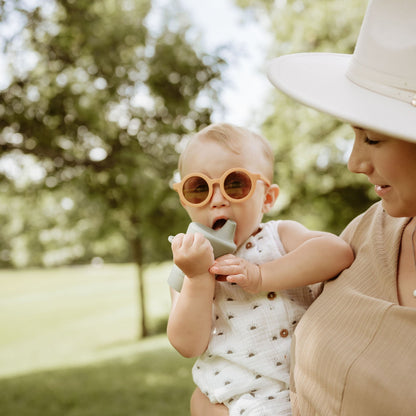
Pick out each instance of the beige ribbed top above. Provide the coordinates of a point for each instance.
(355, 348)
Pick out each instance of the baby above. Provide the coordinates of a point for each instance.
(238, 312)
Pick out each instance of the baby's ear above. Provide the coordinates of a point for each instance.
(270, 197)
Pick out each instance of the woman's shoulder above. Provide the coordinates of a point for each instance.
(362, 222)
(372, 223)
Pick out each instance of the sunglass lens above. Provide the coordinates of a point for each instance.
(237, 185)
(195, 190)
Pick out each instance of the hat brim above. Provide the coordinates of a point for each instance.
(318, 80)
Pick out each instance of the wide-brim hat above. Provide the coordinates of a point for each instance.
(375, 88)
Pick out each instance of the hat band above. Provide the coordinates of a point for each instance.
(381, 83)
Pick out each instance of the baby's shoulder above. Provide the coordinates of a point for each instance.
(285, 227)
(291, 233)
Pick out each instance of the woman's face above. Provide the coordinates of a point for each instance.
(390, 165)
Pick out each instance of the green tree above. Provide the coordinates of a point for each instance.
(102, 105)
(312, 148)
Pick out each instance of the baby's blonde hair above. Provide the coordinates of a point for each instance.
(232, 137)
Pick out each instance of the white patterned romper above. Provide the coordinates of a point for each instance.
(246, 364)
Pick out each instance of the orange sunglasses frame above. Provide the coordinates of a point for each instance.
(254, 177)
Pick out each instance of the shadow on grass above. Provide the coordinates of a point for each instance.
(153, 382)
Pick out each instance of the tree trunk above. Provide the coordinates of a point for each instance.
(141, 298)
(143, 332)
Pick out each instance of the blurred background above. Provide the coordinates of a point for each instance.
(97, 98)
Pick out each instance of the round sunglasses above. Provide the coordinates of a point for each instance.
(236, 185)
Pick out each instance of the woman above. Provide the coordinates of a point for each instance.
(354, 351)
(355, 348)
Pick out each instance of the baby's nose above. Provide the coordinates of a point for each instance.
(218, 198)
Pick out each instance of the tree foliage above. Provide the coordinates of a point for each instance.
(312, 148)
(101, 102)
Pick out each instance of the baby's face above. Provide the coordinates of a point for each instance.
(213, 159)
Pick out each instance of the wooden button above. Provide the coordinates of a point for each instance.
(284, 333)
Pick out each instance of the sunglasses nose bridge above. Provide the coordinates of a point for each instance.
(217, 194)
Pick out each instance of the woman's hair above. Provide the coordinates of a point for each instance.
(232, 137)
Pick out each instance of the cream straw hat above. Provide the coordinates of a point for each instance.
(375, 88)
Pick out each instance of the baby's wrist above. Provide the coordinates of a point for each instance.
(259, 278)
(200, 277)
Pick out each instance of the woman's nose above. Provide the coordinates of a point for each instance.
(217, 198)
(359, 162)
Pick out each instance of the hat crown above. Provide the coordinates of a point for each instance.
(384, 59)
(375, 88)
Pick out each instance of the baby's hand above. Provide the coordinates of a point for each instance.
(237, 270)
(192, 253)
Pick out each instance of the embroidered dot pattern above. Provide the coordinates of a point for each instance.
(246, 362)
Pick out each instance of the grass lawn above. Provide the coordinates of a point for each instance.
(68, 345)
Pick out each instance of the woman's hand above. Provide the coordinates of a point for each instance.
(201, 406)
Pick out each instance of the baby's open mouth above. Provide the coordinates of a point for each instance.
(219, 224)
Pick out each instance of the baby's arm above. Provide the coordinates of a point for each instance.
(311, 257)
(189, 325)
